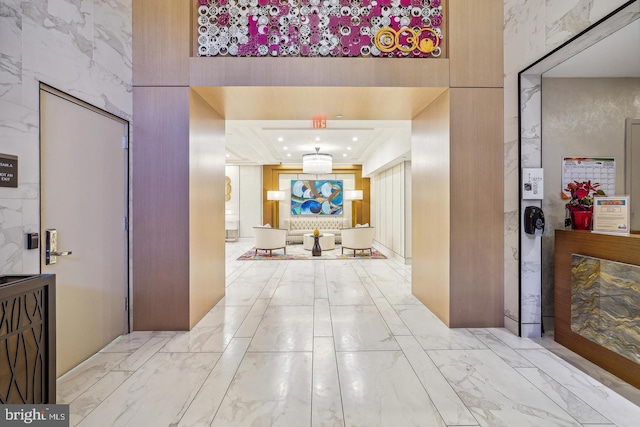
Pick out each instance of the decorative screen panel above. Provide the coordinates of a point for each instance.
(347, 28)
(22, 349)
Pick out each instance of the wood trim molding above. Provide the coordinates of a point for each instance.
(271, 181)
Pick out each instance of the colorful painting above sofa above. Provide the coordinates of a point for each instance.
(319, 197)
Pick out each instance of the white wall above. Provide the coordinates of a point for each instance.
(246, 197)
(82, 48)
(232, 206)
(391, 210)
(407, 210)
(250, 199)
(393, 151)
(348, 183)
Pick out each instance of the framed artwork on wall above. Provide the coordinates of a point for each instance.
(316, 197)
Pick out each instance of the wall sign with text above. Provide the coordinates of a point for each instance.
(532, 184)
(8, 170)
(611, 214)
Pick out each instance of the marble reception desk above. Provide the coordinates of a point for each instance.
(597, 299)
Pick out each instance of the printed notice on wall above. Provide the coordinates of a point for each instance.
(532, 183)
(8, 170)
(611, 215)
(600, 170)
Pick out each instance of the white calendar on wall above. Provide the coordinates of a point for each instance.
(601, 170)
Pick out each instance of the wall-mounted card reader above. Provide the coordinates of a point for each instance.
(33, 241)
(52, 253)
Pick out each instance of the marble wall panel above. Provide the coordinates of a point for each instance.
(82, 47)
(10, 50)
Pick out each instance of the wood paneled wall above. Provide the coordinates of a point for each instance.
(430, 185)
(457, 153)
(206, 208)
(177, 273)
(161, 42)
(475, 43)
(299, 71)
(271, 181)
(477, 206)
(160, 223)
(163, 38)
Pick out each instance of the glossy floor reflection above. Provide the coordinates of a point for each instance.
(335, 343)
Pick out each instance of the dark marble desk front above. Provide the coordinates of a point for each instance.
(605, 304)
(597, 299)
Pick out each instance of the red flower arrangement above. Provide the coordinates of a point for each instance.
(582, 195)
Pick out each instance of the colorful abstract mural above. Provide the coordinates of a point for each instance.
(398, 28)
(320, 197)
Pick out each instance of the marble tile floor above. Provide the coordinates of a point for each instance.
(294, 345)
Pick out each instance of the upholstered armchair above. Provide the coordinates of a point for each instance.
(357, 239)
(269, 239)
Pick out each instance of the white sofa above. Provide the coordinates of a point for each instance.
(298, 226)
(269, 239)
(357, 239)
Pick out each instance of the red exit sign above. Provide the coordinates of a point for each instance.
(319, 122)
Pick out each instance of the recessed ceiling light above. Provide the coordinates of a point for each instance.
(355, 138)
(284, 148)
(280, 139)
(288, 154)
(317, 138)
(344, 154)
(228, 155)
(349, 148)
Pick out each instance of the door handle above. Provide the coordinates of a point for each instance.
(60, 253)
(51, 248)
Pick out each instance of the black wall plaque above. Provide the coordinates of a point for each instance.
(8, 170)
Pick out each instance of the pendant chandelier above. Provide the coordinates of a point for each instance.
(317, 163)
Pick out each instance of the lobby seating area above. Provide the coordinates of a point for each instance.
(298, 227)
(357, 239)
(270, 239)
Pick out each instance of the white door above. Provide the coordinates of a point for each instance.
(84, 197)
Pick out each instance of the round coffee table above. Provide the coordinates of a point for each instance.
(327, 241)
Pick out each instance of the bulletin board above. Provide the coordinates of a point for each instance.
(601, 170)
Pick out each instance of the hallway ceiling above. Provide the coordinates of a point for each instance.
(285, 141)
(257, 117)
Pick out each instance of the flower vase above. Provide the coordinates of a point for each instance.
(316, 250)
(581, 220)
